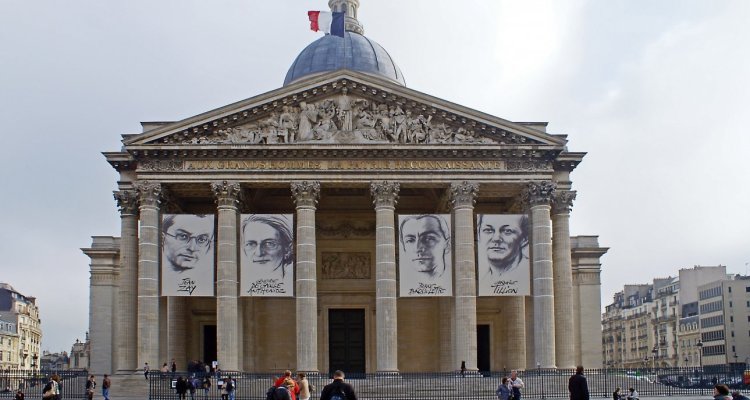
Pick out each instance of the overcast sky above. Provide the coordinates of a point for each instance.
(656, 92)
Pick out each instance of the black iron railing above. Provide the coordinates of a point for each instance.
(539, 384)
(31, 383)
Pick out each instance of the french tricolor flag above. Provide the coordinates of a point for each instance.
(328, 22)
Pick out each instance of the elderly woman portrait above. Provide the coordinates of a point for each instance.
(267, 258)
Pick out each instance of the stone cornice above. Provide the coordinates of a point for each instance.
(567, 161)
(327, 85)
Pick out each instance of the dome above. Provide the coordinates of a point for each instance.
(353, 51)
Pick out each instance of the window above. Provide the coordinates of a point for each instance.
(747, 288)
(730, 304)
(732, 333)
(729, 289)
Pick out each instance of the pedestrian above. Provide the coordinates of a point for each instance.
(90, 387)
(206, 385)
(616, 394)
(191, 389)
(304, 386)
(503, 391)
(231, 385)
(106, 383)
(738, 396)
(633, 395)
(51, 390)
(294, 391)
(174, 368)
(721, 392)
(338, 389)
(19, 395)
(181, 388)
(578, 386)
(164, 371)
(516, 384)
(146, 369)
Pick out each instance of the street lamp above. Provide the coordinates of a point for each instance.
(700, 353)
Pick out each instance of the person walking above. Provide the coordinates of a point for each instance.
(206, 386)
(578, 386)
(304, 386)
(106, 383)
(146, 370)
(173, 368)
(503, 391)
(181, 388)
(90, 387)
(516, 385)
(338, 389)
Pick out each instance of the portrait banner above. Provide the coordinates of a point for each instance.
(187, 255)
(267, 255)
(424, 252)
(503, 255)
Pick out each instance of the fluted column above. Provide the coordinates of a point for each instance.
(538, 196)
(384, 198)
(515, 309)
(463, 195)
(149, 196)
(305, 196)
(125, 340)
(177, 330)
(563, 279)
(227, 195)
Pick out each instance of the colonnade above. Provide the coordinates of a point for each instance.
(138, 315)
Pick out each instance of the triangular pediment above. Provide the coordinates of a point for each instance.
(343, 107)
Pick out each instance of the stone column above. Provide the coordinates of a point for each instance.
(227, 303)
(305, 194)
(384, 198)
(149, 195)
(103, 299)
(538, 196)
(463, 195)
(563, 279)
(177, 331)
(516, 339)
(125, 339)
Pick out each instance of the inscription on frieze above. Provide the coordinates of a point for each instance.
(344, 165)
(344, 265)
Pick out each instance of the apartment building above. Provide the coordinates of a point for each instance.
(724, 309)
(23, 311)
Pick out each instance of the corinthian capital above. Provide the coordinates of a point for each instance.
(127, 202)
(538, 193)
(306, 193)
(464, 193)
(149, 193)
(562, 202)
(227, 193)
(384, 193)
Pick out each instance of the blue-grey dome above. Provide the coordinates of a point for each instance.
(353, 51)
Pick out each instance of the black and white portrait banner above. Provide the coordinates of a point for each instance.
(424, 250)
(187, 258)
(502, 255)
(267, 255)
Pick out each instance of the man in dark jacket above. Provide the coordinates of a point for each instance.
(577, 385)
(338, 389)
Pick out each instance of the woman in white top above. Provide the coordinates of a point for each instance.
(304, 386)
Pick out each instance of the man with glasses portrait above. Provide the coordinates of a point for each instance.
(187, 254)
(267, 256)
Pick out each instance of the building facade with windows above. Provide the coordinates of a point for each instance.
(8, 343)
(725, 321)
(23, 311)
(347, 170)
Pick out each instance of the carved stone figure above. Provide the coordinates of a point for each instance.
(308, 116)
(287, 125)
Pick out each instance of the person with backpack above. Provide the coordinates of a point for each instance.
(338, 389)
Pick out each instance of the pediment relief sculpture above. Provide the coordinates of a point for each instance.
(345, 119)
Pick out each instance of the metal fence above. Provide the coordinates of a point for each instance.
(72, 383)
(539, 384)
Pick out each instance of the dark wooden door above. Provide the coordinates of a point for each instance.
(483, 348)
(346, 340)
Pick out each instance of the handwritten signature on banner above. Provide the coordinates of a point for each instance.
(187, 285)
(267, 286)
(505, 287)
(427, 289)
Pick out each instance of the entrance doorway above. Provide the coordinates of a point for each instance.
(346, 340)
(209, 343)
(483, 348)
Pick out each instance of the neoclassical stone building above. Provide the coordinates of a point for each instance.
(344, 148)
